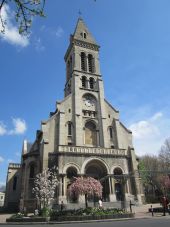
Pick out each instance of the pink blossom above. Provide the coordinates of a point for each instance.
(86, 186)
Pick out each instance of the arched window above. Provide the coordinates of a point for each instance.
(83, 61)
(32, 171)
(111, 132)
(90, 63)
(91, 82)
(118, 186)
(117, 171)
(84, 81)
(69, 128)
(14, 183)
(85, 35)
(71, 172)
(90, 134)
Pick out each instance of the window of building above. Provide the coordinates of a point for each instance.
(69, 128)
(118, 171)
(83, 61)
(84, 79)
(85, 35)
(71, 172)
(14, 183)
(111, 132)
(90, 134)
(32, 171)
(90, 63)
(91, 82)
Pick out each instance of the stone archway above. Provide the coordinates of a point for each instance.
(71, 173)
(119, 190)
(96, 169)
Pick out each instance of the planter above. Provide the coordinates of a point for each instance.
(29, 219)
(92, 217)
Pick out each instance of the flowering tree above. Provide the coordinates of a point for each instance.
(45, 185)
(87, 186)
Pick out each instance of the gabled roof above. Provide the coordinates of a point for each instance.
(80, 29)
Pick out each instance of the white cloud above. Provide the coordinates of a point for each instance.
(3, 130)
(19, 126)
(150, 134)
(1, 159)
(11, 34)
(59, 32)
(156, 116)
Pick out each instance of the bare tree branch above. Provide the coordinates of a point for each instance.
(24, 12)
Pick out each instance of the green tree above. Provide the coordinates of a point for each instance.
(24, 10)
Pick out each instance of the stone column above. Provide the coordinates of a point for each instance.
(112, 194)
(62, 191)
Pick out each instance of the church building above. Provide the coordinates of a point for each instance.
(83, 137)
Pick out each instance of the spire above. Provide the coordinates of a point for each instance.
(82, 33)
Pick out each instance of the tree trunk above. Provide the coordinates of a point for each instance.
(86, 200)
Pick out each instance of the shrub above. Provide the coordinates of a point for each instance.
(18, 215)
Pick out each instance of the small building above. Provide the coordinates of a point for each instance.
(82, 137)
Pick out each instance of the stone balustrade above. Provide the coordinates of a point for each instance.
(14, 165)
(92, 150)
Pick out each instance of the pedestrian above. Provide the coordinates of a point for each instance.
(152, 211)
(100, 203)
(36, 212)
(130, 205)
(164, 201)
(62, 205)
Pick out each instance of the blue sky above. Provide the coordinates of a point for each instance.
(135, 62)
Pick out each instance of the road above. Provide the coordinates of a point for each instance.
(149, 222)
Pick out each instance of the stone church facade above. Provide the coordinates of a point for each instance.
(83, 137)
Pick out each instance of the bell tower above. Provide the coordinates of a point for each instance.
(84, 83)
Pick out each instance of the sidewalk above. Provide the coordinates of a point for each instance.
(142, 211)
(3, 217)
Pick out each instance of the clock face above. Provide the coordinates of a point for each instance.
(88, 102)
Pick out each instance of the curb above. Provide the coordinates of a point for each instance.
(71, 222)
(85, 221)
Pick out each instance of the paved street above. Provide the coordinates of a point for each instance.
(151, 222)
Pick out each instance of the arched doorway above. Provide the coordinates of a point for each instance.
(97, 170)
(90, 134)
(71, 174)
(118, 184)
